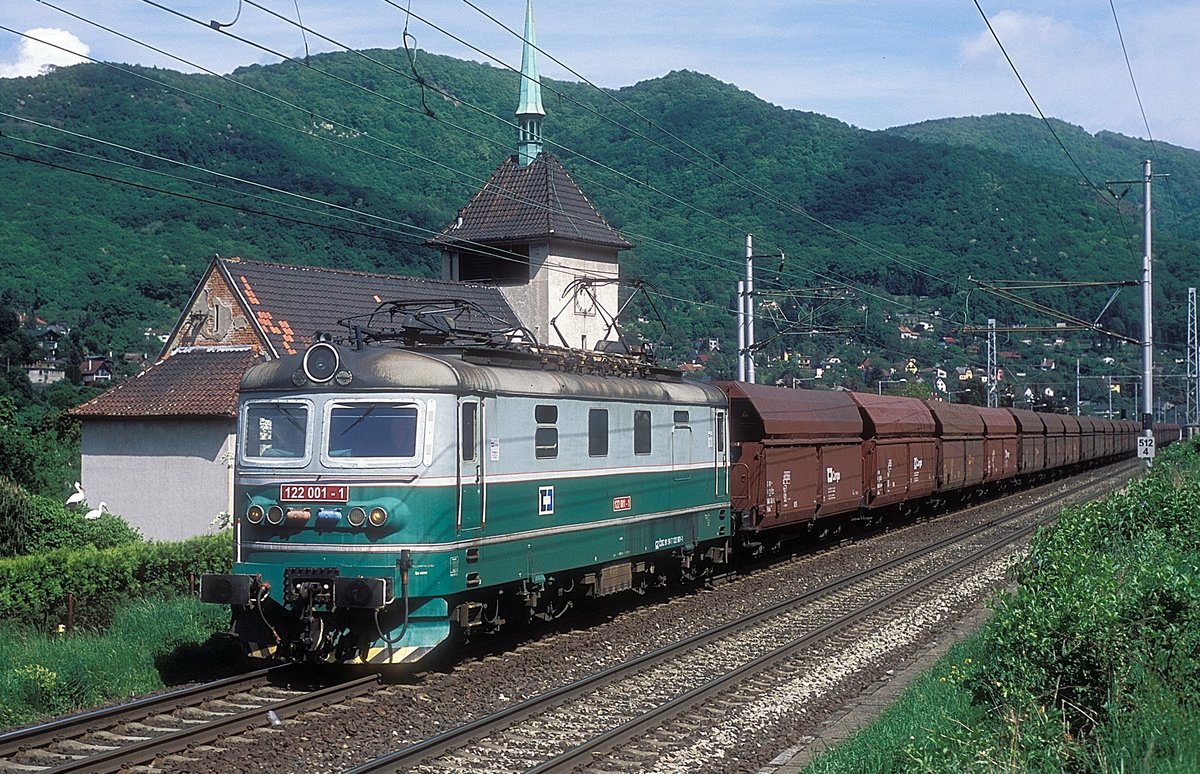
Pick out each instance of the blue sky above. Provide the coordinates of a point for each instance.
(870, 63)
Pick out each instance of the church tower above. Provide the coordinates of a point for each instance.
(529, 108)
(532, 232)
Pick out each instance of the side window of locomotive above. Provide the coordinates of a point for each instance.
(470, 426)
(681, 419)
(372, 430)
(641, 432)
(545, 437)
(275, 430)
(598, 433)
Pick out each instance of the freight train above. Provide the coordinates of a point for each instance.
(391, 500)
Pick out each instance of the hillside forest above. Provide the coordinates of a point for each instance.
(119, 183)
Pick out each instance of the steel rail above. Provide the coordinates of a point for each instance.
(149, 749)
(458, 737)
(68, 727)
(636, 727)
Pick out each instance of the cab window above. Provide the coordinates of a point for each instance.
(275, 430)
(372, 430)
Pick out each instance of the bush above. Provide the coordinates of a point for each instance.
(51, 526)
(1107, 612)
(34, 589)
(31, 524)
(14, 510)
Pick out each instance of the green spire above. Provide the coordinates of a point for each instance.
(529, 109)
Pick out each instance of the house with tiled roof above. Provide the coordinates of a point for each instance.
(157, 448)
(533, 233)
(278, 308)
(175, 423)
(95, 370)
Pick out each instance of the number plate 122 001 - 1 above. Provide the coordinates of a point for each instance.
(311, 493)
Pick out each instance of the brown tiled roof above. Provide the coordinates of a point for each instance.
(539, 201)
(191, 383)
(291, 303)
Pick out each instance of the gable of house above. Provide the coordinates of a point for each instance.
(277, 309)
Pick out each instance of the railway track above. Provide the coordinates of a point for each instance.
(681, 706)
(152, 728)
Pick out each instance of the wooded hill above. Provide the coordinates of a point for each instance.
(903, 217)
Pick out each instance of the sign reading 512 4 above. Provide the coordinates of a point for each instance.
(1145, 447)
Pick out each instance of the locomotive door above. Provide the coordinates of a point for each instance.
(721, 456)
(472, 490)
(681, 446)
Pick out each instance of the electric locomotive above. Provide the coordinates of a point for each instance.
(389, 499)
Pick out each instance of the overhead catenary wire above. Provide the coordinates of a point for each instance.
(282, 56)
(623, 175)
(411, 108)
(679, 250)
(889, 300)
(504, 121)
(1012, 65)
(1133, 81)
(735, 177)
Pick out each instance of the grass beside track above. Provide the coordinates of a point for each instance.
(1091, 665)
(151, 644)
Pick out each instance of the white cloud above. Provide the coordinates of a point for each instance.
(35, 57)
(1017, 29)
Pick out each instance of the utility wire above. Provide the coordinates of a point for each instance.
(402, 74)
(454, 175)
(505, 122)
(737, 178)
(197, 21)
(844, 234)
(1037, 107)
(200, 199)
(1145, 121)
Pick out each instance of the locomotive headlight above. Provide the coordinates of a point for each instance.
(357, 517)
(275, 515)
(254, 514)
(321, 362)
(377, 517)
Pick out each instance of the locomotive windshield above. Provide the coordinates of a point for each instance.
(275, 430)
(372, 430)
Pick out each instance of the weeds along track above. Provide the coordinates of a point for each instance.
(155, 727)
(687, 706)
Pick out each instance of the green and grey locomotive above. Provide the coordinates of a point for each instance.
(389, 500)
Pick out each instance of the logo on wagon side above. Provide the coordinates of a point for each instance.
(623, 503)
(832, 476)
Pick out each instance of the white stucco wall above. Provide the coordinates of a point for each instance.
(541, 301)
(168, 477)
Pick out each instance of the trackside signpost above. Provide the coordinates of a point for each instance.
(1145, 447)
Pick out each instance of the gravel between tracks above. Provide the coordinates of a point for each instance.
(346, 735)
